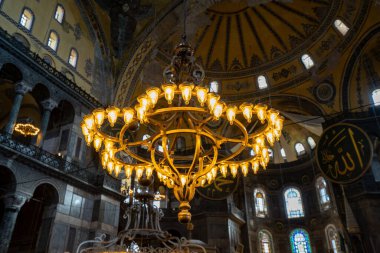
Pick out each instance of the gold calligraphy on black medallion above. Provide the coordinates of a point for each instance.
(220, 188)
(344, 153)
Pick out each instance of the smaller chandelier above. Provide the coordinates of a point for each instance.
(26, 129)
(183, 109)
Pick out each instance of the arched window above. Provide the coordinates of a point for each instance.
(53, 40)
(293, 203)
(59, 13)
(27, 18)
(262, 82)
(307, 61)
(283, 154)
(265, 242)
(270, 152)
(332, 238)
(73, 57)
(252, 152)
(214, 86)
(323, 195)
(299, 241)
(341, 27)
(300, 149)
(260, 203)
(311, 142)
(376, 97)
(145, 137)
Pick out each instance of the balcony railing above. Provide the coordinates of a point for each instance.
(46, 159)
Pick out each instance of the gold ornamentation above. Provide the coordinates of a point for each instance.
(26, 129)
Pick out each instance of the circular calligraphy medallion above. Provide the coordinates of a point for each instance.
(221, 188)
(344, 153)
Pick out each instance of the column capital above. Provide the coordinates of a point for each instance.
(49, 104)
(14, 201)
(22, 87)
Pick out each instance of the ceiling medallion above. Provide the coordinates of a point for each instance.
(26, 129)
(179, 113)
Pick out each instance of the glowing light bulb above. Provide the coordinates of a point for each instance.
(98, 142)
(110, 166)
(89, 121)
(244, 168)
(85, 130)
(256, 148)
(218, 110)
(212, 99)
(214, 172)
(209, 177)
(89, 138)
(255, 166)
(277, 134)
(279, 123)
(264, 162)
(169, 90)
(153, 94)
(118, 168)
(223, 169)
(104, 157)
(201, 95)
(260, 140)
(270, 137)
(231, 114)
(186, 90)
(272, 116)
(140, 113)
(183, 180)
(144, 101)
(148, 171)
(139, 172)
(260, 110)
(112, 113)
(264, 153)
(99, 115)
(128, 114)
(246, 109)
(203, 181)
(234, 169)
(108, 144)
(128, 171)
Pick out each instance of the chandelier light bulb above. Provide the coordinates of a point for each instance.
(169, 90)
(89, 121)
(255, 166)
(111, 154)
(139, 172)
(218, 110)
(203, 181)
(260, 141)
(85, 130)
(99, 115)
(260, 110)
(118, 168)
(148, 171)
(209, 177)
(277, 134)
(140, 113)
(246, 109)
(89, 138)
(144, 101)
(128, 114)
(183, 180)
(186, 91)
(234, 169)
(212, 99)
(201, 95)
(110, 166)
(231, 114)
(214, 172)
(223, 169)
(112, 113)
(97, 142)
(104, 158)
(272, 116)
(153, 94)
(270, 137)
(244, 168)
(279, 123)
(128, 171)
(108, 145)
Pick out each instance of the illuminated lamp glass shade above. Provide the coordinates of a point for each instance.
(26, 129)
(182, 109)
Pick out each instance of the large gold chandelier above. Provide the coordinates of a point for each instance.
(214, 137)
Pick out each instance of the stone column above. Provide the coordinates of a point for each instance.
(12, 206)
(20, 90)
(48, 105)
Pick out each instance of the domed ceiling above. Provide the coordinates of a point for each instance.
(243, 40)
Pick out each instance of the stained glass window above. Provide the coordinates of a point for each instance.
(260, 203)
(299, 241)
(300, 149)
(332, 237)
(341, 27)
(293, 203)
(323, 195)
(262, 82)
(311, 142)
(265, 242)
(307, 61)
(59, 13)
(26, 19)
(376, 97)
